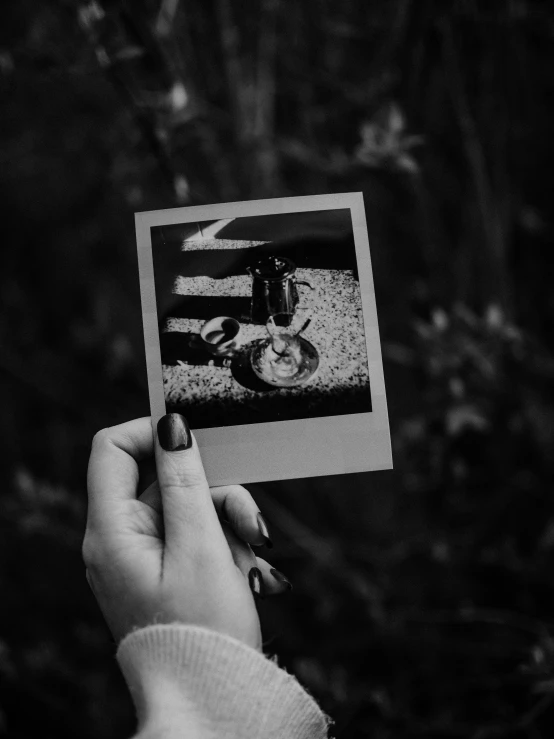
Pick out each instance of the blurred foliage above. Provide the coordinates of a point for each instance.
(423, 597)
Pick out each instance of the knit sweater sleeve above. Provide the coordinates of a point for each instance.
(195, 683)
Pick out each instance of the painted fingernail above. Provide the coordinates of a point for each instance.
(262, 526)
(281, 578)
(256, 582)
(174, 433)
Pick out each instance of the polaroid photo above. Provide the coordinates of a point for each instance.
(260, 326)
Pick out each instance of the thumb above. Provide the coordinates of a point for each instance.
(188, 511)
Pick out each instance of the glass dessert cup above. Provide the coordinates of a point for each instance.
(285, 358)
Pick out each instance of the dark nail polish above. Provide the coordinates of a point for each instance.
(264, 532)
(281, 578)
(256, 582)
(174, 433)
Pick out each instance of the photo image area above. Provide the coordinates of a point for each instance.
(203, 270)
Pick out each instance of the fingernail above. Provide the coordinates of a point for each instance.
(256, 582)
(174, 433)
(262, 526)
(281, 578)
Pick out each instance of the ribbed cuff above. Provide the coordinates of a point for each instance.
(215, 686)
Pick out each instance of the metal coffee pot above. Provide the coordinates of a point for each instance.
(274, 288)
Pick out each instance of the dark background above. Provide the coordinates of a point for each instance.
(423, 597)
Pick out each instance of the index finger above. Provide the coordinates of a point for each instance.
(113, 473)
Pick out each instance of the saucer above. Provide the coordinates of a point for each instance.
(305, 371)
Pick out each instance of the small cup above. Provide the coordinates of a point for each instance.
(220, 336)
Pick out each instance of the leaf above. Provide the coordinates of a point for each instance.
(182, 188)
(494, 316)
(384, 143)
(464, 417)
(178, 97)
(396, 121)
(129, 53)
(90, 14)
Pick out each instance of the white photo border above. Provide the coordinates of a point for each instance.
(279, 450)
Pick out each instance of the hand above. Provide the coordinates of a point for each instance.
(164, 556)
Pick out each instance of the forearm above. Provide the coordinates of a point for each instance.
(194, 683)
